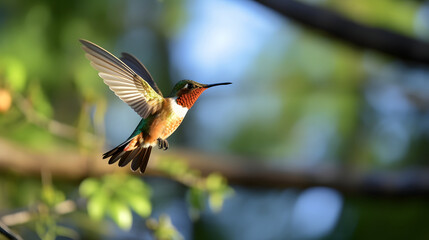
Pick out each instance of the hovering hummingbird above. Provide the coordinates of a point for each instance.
(129, 79)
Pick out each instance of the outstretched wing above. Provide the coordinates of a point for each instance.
(140, 69)
(123, 80)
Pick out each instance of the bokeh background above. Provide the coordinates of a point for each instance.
(318, 138)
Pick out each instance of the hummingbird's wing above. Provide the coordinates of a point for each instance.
(140, 69)
(123, 80)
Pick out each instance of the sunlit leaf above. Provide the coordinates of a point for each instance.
(214, 181)
(136, 186)
(97, 205)
(216, 201)
(121, 214)
(14, 73)
(141, 205)
(164, 229)
(218, 190)
(88, 187)
(51, 196)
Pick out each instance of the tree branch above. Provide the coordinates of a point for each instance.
(71, 165)
(338, 26)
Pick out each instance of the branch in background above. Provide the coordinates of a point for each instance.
(340, 27)
(54, 127)
(71, 165)
(25, 216)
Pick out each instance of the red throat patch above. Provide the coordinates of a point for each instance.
(188, 99)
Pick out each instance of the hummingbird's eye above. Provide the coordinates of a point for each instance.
(190, 85)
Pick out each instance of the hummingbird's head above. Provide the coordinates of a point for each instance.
(188, 91)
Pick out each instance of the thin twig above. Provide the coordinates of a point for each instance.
(27, 215)
(57, 128)
(5, 230)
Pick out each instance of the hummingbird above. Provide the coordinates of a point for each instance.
(130, 80)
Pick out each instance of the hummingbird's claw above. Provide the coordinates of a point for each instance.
(162, 144)
(165, 145)
(159, 143)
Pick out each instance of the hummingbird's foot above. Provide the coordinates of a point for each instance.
(162, 144)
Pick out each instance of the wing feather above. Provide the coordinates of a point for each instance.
(140, 69)
(135, 90)
(107, 70)
(102, 65)
(114, 83)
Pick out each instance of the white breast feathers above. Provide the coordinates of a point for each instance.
(177, 109)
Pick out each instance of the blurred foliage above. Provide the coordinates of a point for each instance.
(214, 186)
(163, 229)
(320, 100)
(115, 196)
(46, 220)
(41, 72)
(318, 90)
(39, 61)
(37, 200)
(389, 14)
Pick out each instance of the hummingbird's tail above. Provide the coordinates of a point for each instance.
(138, 156)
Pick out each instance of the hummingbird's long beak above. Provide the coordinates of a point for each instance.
(216, 84)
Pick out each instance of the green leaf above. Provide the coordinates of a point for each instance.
(214, 182)
(141, 205)
(49, 195)
(15, 73)
(135, 186)
(88, 187)
(97, 205)
(216, 201)
(121, 214)
(117, 194)
(164, 229)
(196, 198)
(218, 190)
(40, 101)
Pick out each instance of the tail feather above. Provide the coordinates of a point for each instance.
(111, 152)
(138, 157)
(141, 160)
(116, 150)
(135, 164)
(115, 157)
(132, 154)
(145, 160)
(125, 159)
